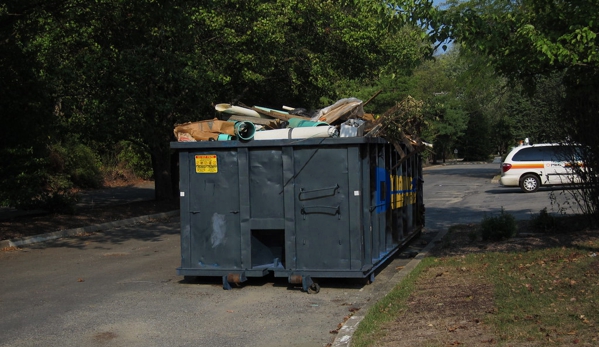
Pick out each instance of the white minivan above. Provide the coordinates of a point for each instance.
(547, 164)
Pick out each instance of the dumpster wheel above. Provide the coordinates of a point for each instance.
(314, 288)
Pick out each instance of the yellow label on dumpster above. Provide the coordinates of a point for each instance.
(206, 164)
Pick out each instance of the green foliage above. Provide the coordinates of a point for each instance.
(476, 145)
(544, 222)
(30, 183)
(131, 70)
(499, 227)
(134, 158)
(57, 196)
(464, 99)
(544, 105)
(548, 47)
(22, 176)
(527, 37)
(77, 162)
(446, 123)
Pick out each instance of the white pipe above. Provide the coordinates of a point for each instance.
(230, 109)
(297, 133)
(270, 109)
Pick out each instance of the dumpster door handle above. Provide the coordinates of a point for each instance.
(304, 194)
(332, 210)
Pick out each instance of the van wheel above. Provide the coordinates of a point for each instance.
(530, 183)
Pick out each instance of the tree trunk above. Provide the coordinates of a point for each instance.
(161, 164)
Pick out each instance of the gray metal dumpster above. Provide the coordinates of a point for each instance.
(301, 209)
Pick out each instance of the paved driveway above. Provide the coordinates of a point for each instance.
(119, 288)
(466, 193)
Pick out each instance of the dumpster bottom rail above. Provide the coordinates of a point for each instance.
(296, 276)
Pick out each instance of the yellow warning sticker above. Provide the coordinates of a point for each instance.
(206, 164)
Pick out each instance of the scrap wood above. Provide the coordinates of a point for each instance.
(375, 131)
(406, 141)
(403, 159)
(203, 130)
(398, 148)
(405, 116)
(372, 98)
(343, 109)
(276, 124)
(370, 120)
(401, 124)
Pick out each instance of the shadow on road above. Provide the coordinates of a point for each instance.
(148, 232)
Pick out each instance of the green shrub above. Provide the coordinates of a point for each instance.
(22, 174)
(42, 178)
(134, 158)
(57, 197)
(502, 226)
(126, 161)
(544, 222)
(53, 195)
(79, 162)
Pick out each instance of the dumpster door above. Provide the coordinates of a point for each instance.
(214, 208)
(322, 221)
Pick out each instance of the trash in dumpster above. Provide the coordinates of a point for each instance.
(352, 128)
(298, 133)
(302, 123)
(346, 108)
(398, 125)
(236, 110)
(210, 130)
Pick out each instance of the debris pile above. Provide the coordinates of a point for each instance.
(400, 124)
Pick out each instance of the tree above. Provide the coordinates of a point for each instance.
(130, 70)
(27, 113)
(527, 40)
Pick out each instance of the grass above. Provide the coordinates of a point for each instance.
(540, 297)
(547, 295)
(387, 309)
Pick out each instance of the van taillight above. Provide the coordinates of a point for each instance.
(505, 167)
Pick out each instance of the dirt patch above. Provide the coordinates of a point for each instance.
(446, 309)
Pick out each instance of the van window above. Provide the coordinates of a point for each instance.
(530, 154)
(567, 153)
(548, 153)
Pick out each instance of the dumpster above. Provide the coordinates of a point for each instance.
(300, 209)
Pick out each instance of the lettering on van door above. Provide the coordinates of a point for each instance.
(554, 172)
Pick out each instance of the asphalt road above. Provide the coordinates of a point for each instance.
(466, 193)
(119, 288)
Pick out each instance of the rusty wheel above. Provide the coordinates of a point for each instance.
(314, 288)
